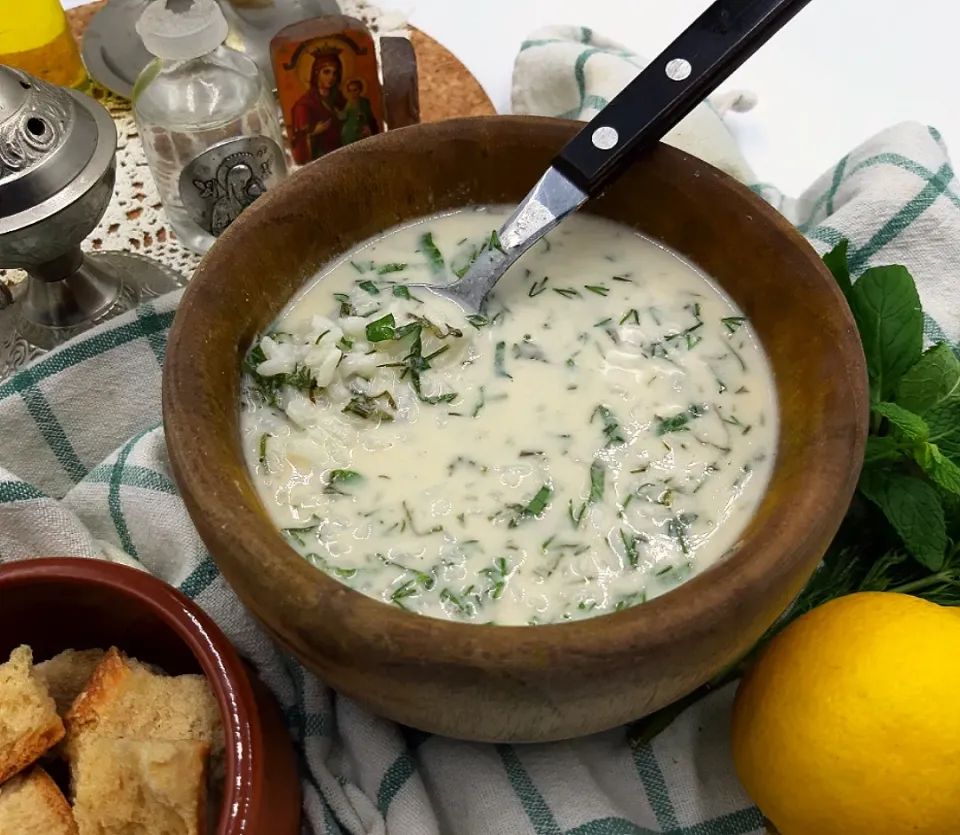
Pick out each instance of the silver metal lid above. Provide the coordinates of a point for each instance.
(46, 141)
(57, 168)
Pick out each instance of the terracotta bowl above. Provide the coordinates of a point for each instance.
(68, 603)
(516, 683)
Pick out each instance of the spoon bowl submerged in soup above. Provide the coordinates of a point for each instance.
(602, 431)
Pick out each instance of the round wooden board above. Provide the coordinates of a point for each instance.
(448, 90)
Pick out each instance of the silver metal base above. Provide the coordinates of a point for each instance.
(41, 315)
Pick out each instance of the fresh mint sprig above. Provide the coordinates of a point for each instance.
(910, 472)
(902, 530)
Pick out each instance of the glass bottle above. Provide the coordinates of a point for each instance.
(189, 103)
(35, 37)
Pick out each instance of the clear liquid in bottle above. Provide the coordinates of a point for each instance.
(197, 94)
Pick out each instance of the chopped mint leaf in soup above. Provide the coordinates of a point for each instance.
(429, 249)
(733, 323)
(598, 474)
(499, 360)
(386, 269)
(538, 287)
(612, 430)
(382, 329)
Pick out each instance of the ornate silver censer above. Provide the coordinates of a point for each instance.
(57, 169)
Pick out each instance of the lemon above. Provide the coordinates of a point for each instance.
(849, 723)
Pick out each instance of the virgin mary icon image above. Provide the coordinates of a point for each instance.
(315, 123)
(328, 85)
(220, 183)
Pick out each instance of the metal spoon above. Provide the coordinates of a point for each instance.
(651, 105)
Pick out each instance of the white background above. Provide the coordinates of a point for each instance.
(839, 72)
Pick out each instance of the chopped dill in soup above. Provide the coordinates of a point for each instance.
(602, 431)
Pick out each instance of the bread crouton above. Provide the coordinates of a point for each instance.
(29, 724)
(123, 786)
(125, 699)
(67, 674)
(31, 804)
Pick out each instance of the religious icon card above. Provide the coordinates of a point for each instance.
(328, 82)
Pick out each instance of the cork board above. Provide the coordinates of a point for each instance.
(448, 90)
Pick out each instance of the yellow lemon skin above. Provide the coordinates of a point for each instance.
(849, 723)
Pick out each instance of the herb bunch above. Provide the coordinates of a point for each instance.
(910, 477)
(902, 530)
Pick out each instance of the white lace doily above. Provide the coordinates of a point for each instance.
(134, 220)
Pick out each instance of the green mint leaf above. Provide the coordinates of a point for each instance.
(499, 360)
(598, 474)
(461, 265)
(382, 329)
(675, 423)
(369, 287)
(908, 426)
(430, 250)
(733, 323)
(914, 510)
(339, 479)
(882, 448)
(402, 292)
(533, 508)
(301, 378)
(887, 310)
(612, 430)
(477, 320)
(367, 407)
(344, 476)
(932, 379)
(386, 269)
(631, 544)
(836, 261)
(539, 502)
(944, 422)
(440, 398)
(941, 470)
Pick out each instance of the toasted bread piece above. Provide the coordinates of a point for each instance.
(125, 786)
(29, 724)
(125, 699)
(31, 804)
(67, 674)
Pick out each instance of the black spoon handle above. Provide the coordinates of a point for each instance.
(681, 77)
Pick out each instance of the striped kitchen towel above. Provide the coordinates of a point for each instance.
(84, 471)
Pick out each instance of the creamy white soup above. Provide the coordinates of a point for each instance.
(600, 432)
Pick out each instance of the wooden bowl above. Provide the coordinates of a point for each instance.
(72, 603)
(497, 683)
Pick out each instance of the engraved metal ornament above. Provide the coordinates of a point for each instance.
(217, 185)
(34, 122)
